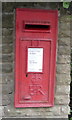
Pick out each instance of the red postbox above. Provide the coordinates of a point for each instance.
(35, 57)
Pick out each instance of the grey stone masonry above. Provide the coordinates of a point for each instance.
(62, 87)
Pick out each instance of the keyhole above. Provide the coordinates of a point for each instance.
(26, 75)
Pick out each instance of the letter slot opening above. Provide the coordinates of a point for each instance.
(37, 27)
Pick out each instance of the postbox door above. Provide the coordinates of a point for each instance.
(34, 85)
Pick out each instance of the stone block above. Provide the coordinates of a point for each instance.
(7, 48)
(24, 4)
(63, 79)
(7, 20)
(7, 32)
(65, 18)
(11, 98)
(32, 112)
(65, 33)
(1, 111)
(0, 94)
(0, 40)
(0, 58)
(71, 42)
(7, 68)
(35, 113)
(64, 26)
(0, 28)
(55, 110)
(7, 58)
(0, 49)
(0, 78)
(10, 6)
(65, 59)
(6, 77)
(62, 100)
(5, 100)
(7, 6)
(64, 50)
(63, 68)
(10, 111)
(65, 110)
(27, 112)
(7, 94)
(7, 40)
(62, 41)
(8, 88)
(1, 99)
(62, 90)
(8, 1)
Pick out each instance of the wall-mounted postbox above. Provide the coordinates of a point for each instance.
(35, 57)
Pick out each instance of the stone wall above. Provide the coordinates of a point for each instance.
(62, 89)
(71, 72)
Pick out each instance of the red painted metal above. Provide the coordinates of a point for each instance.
(35, 29)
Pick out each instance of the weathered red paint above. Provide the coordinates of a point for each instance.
(35, 29)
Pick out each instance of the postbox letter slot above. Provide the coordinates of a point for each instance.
(36, 27)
